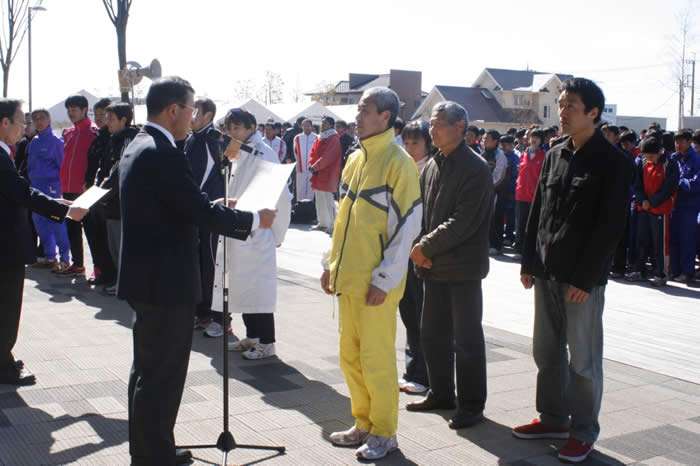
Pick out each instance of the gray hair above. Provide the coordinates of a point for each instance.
(386, 100)
(453, 112)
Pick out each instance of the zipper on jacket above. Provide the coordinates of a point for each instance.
(381, 246)
(347, 224)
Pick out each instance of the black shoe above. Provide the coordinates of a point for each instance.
(465, 419)
(430, 403)
(183, 456)
(17, 376)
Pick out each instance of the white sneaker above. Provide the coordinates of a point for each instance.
(377, 447)
(214, 330)
(260, 351)
(349, 438)
(411, 387)
(244, 344)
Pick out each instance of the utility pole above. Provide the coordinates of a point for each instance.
(692, 86)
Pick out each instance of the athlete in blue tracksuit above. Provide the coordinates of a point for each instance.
(43, 166)
(685, 211)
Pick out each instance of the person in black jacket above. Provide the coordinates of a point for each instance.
(204, 148)
(162, 208)
(576, 220)
(452, 258)
(16, 249)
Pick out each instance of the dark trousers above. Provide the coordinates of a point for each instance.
(683, 225)
(95, 226)
(652, 241)
(260, 326)
(162, 343)
(410, 309)
(11, 288)
(497, 225)
(75, 235)
(619, 264)
(509, 210)
(451, 325)
(208, 243)
(523, 211)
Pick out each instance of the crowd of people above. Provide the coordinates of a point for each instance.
(414, 210)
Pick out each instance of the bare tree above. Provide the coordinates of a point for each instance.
(272, 89)
(119, 16)
(680, 42)
(244, 90)
(325, 93)
(14, 28)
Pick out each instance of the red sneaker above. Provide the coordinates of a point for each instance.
(575, 451)
(72, 271)
(536, 429)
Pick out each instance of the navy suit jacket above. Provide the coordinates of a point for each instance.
(16, 196)
(162, 209)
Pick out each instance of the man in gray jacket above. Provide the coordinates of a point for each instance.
(452, 258)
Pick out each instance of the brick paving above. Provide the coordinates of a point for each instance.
(78, 343)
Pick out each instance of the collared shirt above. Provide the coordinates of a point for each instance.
(167, 133)
(5, 147)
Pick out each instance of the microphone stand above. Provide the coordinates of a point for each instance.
(226, 443)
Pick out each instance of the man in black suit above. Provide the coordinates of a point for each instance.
(16, 248)
(162, 209)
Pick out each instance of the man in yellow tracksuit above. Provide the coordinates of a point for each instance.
(379, 216)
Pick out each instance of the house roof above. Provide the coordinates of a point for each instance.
(480, 103)
(514, 79)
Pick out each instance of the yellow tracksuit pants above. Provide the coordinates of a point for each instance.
(368, 362)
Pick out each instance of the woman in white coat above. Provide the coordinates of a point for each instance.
(251, 264)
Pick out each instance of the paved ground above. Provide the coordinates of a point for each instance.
(78, 343)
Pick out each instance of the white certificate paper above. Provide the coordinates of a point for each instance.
(266, 185)
(89, 197)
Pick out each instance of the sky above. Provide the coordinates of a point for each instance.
(626, 46)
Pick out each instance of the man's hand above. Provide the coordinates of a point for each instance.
(325, 281)
(232, 150)
(419, 258)
(575, 295)
(527, 280)
(375, 296)
(231, 202)
(646, 205)
(64, 201)
(76, 213)
(267, 216)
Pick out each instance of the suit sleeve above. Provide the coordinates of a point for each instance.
(179, 192)
(15, 188)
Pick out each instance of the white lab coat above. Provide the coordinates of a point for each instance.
(251, 264)
(302, 147)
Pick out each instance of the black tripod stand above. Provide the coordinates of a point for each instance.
(225, 443)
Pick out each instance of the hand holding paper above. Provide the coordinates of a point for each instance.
(89, 197)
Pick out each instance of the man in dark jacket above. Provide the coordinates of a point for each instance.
(576, 220)
(16, 249)
(162, 208)
(204, 148)
(288, 139)
(452, 258)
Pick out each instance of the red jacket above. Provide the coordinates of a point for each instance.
(77, 140)
(658, 184)
(528, 175)
(324, 159)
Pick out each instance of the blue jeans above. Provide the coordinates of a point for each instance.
(569, 386)
(51, 233)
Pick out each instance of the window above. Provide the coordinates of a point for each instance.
(546, 112)
(519, 100)
(344, 101)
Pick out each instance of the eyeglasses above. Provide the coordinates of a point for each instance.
(195, 110)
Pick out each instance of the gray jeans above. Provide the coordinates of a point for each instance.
(569, 386)
(114, 238)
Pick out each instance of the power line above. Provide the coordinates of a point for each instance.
(629, 68)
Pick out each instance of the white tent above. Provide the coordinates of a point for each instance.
(314, 111)
(59, 117)
(258, 110)
(344, 112)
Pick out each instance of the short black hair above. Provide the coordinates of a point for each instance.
(207, 105)
(521, 133)
(239, 116)
(538, 133)
(418, 129)
(613, 129)
(341, 123)
(122, 110)
(43, 111)
(8, 108)
(591, 95)
(102, 103)
(495, 135)
(683, 134)
(330, 120)
(473, 129)
(277, 125)
(668, 141)
(512, 131)
(166, 92)
(623, 128)
(651, 145)
(399, 124)
(507, 139)
(482, 131)
(77, 100)
(628, 136)
(696, 137)
(300, 120)
(656, 133)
